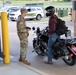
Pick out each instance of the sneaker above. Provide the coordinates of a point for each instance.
(25, 62)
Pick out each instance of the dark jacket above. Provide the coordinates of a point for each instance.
(52, 24)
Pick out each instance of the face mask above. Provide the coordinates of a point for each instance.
(48, 14)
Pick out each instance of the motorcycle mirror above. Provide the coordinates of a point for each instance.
(33, 28)
(29, 10)
(38, 30)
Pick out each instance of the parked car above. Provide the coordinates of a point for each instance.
(35, 13)
(8, 9)
(13, 10)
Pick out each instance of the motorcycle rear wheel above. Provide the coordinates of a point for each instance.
(70, 61)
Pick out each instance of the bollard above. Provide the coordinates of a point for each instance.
(5, 41)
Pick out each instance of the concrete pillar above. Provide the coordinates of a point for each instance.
(74, 15)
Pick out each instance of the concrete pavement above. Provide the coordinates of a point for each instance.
(58, 68)
(16, 68)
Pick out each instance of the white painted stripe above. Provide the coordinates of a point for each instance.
(1, 59)
(10, 57)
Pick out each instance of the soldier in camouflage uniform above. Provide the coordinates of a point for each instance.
(23, 36)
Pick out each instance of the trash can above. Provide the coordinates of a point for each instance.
(60, 13)
(65, 12)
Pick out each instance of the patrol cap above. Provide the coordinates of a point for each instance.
(23, 10)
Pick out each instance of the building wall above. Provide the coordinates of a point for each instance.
(74, 15)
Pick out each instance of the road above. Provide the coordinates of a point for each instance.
(58, 68)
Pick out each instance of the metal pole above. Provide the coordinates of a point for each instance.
(5, 40)
(3, 2)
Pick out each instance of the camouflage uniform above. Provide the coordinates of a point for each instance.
(22, 33)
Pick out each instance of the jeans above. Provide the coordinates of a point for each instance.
(51, 41)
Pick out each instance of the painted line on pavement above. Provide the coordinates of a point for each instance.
(34, 69)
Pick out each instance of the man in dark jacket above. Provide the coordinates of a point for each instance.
(52, 28)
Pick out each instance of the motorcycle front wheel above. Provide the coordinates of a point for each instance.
(37, 49)
(69, 60)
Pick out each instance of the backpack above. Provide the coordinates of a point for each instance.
(61, 27)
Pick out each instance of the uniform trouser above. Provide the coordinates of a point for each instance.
(23, 45)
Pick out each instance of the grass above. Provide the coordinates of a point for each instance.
(46, 20)
(66, 18)
(56, 4)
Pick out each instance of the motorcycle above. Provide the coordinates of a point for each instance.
(62, 48)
